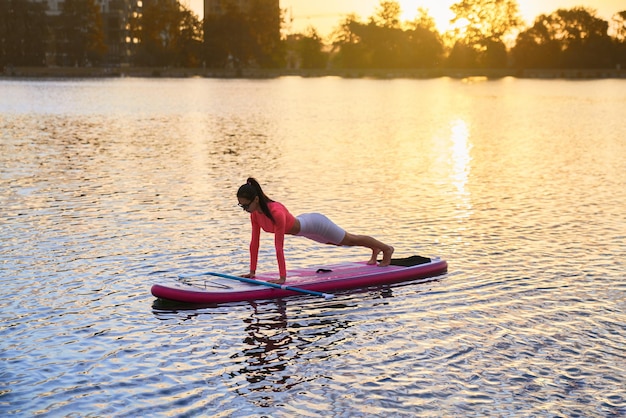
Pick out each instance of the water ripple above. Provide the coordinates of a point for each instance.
(100, 202)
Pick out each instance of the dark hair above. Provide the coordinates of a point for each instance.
(252, 189)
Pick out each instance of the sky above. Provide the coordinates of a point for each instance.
(325, 15)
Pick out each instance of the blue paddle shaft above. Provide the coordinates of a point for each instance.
(268, 284)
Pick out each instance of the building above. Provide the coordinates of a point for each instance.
(116, 17)
(116, 25)
(220, 7)
(54, 6)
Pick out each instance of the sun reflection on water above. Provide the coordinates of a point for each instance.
(461, 159)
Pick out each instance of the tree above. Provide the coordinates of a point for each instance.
(23, 32)
(618, 26)
(227, 40)
(424, 20)
(311, 50)
(387, 15)
(377, 44)
(245, 38)
(384, 37)
(80, 33)
(155, 28)
(369, 45)
(384, 42)
(188, 40)
(264, 19)
(426, 44)
(619, 30)
(567, 38)
(486, 19)
(463, 55)
(537, 47)
(484, 26)
(585, 38)
(349, 50)
(169, 34)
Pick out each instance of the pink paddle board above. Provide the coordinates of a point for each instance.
(207, 288)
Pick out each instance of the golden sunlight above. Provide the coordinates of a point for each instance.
(437, 9)
(459, 135)
(461, 165)
(325, 15)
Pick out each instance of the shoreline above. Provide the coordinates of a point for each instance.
(149, 72)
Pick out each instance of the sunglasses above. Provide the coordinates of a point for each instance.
(246, 206)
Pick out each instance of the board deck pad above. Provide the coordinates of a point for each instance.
(413, 260)
(204, 288)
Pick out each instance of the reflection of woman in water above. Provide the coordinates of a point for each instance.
(274, 350)
(274, 217)
(269, 341)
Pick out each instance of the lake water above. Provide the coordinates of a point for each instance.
(107, 186)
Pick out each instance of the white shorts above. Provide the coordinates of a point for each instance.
(319, 228)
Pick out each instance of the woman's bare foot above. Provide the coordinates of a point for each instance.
(277, 281)
(387, 256)
(374, 259)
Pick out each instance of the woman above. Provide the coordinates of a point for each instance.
(274, 217)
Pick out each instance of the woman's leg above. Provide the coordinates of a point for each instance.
(319, 228)
(351, 240)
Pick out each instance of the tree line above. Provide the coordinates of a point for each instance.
(485, 34)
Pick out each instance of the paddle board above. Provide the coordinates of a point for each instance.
(207, 288)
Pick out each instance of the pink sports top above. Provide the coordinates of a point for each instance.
(283, 222)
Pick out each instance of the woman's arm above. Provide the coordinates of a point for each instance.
(279, 241)
(254, 248)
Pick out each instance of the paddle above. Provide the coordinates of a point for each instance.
(262, 283)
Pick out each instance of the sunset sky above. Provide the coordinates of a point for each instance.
(325, 15)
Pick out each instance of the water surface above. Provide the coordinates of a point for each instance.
(107, 186)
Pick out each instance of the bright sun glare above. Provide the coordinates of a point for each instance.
(325, 15)
(439, 10)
